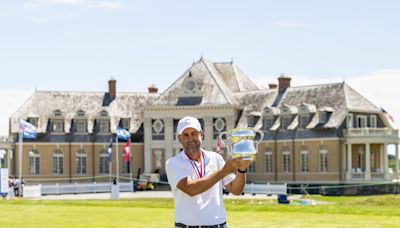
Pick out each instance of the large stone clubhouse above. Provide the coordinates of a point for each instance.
(318, 134)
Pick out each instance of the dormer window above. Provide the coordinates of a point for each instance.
(104, 113)
(80, 113)
(58, 126)
(190, 87)
(80, 122)
(252, 120)
(57, 112)
(322, 117)
(57, 121)
(33, 121)
(103, 122)
(361, 121)
(268, 121)
(269, 115)
(304, 120)
(285, 121)
(372, 121)
(124, 123)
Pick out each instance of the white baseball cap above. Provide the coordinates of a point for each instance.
(188, 122)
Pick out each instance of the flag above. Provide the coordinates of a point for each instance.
(127, 150)
(123, 134)
(109, 150)
(218, 144)
(27, 129)
(388, 116)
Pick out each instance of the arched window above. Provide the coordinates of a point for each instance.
(58, 162)
(268, 161)
(323, 160)
(286, 160)
(104, 163)
(304, 162)
(34, 162)
(81, 162)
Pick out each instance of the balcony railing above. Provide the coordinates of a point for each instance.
(362, 132)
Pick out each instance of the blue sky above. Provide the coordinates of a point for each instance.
(71, 45)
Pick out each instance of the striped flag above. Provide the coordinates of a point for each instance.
(127, 150)
(27, 129)
(123, 134)
(218, 144)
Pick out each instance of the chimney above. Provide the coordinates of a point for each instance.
(152, 88)
(112, 91)
(273, 85)
(284, 83)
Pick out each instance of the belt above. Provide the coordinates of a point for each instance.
(178, 224)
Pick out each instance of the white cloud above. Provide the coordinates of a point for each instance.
(289, 24)
(108, 5)
(90, 4)
(69, 2)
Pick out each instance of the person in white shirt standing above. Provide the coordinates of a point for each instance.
(197, 178)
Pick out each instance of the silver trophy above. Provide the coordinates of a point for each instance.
(240, 142)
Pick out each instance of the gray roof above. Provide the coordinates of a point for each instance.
(217, 84)
(217, 81)
(42, 104)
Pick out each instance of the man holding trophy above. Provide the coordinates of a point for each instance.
(197, 178)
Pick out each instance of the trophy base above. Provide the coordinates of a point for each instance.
(249, 157)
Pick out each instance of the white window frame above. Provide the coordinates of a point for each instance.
(304, 161)
(81, 125)
(350, 121)
(323, 160)
(81, 163)
(304, 120)
(104, 126)
(268, 161)
(286, 161)
(284, 119)
(58, 125)
(268, 122)
(104, 168)
(373, 121)
(34, 162)
(58, 162)
(362, 121)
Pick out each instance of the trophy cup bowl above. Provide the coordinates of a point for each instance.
(240, 142)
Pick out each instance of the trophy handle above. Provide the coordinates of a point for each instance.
(220, 137)
(228, 147)
(261, 138)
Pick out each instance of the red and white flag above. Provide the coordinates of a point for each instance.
(127, 150)
(219, 144)
(388, 116)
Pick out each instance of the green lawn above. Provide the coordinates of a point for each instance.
(363, 211)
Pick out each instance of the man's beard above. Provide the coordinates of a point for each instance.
(193, 148)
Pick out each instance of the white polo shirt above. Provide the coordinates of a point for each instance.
(206, 208)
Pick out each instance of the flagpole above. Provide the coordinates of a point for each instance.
(117, 159)
(130, 162)
(20, 141)
(110, 164)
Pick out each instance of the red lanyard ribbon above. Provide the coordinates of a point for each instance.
(199, 173)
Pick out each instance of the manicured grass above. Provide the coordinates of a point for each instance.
(363, 211)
